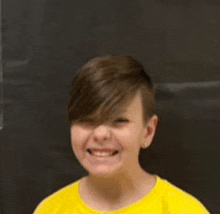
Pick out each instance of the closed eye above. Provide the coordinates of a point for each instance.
(90, 122)
(121, 120)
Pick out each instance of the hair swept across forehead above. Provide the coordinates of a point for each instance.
(105, 85)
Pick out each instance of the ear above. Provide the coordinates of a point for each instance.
(150, 130)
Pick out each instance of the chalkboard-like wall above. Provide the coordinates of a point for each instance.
(44, 42)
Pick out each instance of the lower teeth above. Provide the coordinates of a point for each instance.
(102, 156)
(107, 155)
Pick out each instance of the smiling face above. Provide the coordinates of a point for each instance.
(124, 134)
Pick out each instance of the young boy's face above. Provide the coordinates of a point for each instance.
(124, 134)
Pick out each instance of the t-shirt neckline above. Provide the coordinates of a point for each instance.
(152, 195)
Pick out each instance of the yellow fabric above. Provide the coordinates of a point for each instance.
(164, 198)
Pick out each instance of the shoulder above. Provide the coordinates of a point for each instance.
(54, 202)
(179, 201)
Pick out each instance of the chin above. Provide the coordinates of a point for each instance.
(104, 172)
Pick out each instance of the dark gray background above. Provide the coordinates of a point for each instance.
(45, 41)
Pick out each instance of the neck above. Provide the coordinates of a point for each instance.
(116, 189)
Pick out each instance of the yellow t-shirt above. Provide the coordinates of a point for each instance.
(164, 198)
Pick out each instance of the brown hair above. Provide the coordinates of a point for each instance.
(104, 85)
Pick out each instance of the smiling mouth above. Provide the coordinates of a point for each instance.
(101, 154)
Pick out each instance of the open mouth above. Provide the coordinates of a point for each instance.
(101, 154)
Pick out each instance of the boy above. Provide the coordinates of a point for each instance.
(112, 115)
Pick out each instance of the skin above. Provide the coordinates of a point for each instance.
(120, 181)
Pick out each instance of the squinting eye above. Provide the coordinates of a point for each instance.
(121, 120)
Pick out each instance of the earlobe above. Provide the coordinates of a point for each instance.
(144, 145)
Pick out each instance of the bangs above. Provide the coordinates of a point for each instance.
(103, 102)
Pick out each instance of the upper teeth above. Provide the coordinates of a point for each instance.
(102, 153)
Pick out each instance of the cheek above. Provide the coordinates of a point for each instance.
(125, 133)
(77, 138)
(133, 136)
(129, 136)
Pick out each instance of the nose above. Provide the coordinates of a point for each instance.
(102, 133)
